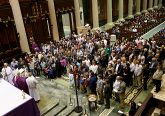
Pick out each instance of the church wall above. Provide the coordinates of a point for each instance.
(36, 21)
(9, 38)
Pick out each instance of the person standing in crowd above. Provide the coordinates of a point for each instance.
(132, 69)
(32, 67)
(14, 64)
(7, 73)
(32, 85)
(107, 94)
(99, 89)
(121, 91)
(157, 77)
(94, 67)
(116, 88)
(138, 74)
(71, 79)
(118, 68)
(21, 63)
(92, 82)
(153, 65)
(146, 73)
(126, 75)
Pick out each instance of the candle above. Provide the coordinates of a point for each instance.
(48, 26)
(23, 94)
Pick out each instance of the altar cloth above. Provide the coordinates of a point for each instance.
(13, 104)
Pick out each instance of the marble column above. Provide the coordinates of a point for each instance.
(19, 25)
(53, 20)
(95, 14)
(160, 3)
(110, 23)
(138, 7)
(130, 8)
(77, 15)
(121, 10)
(150, 4)
(144, 6)
(155, 3)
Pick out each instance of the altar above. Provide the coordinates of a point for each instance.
(14, 102)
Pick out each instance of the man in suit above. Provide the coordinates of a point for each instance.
(107, 94)
(153, 65)
(146, 72)
(118, 68)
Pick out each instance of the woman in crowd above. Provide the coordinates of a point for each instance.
(157, 77)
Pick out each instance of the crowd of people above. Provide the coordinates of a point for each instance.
(90, 61)
(160, 36)
(140, 24)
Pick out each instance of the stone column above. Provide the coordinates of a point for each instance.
(77, 15)
(144, 6)
(121, 10)
(155, 3)
(130, 8)
(110, 23)
(53, 20)
(160, 3)
(19, 25)
(138, 7)
(95, 14)
(150, 4)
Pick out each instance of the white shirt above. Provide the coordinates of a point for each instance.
(132, 67)
(116, 86)
(8, 74)
(87, 62)
(79, 53)
(93, 68)
(117, 66)
(138, 70)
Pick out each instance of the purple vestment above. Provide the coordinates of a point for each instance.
(20, 83)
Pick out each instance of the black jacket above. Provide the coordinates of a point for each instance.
(107, 91)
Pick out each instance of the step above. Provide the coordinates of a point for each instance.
(67, 111)
(55, 111)
(49, 107)
(106, 112)
(76, 114)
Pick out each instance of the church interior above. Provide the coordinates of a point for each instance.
(82, 57)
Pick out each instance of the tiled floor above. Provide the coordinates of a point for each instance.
(57, 89)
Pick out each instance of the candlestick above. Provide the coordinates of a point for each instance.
(23, 94)
(70, 100)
